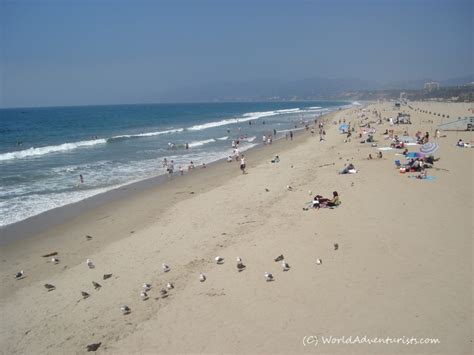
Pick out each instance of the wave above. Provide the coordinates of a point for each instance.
(314, 107)
(200, 143)
(49, 149)
(245, 117)
(139, 135)
(223, 138)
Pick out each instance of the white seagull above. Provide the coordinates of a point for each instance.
(202, 277)
(143, 296)
(19, 275)
(165, 267)
(219, 260)
(169, 285)
(319, 261)
(90, 264)
(268, 276)
(55, 260)
(146, 287)
(285, 265)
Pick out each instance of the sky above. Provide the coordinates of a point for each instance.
(79, 52)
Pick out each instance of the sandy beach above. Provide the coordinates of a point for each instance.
(403, 267)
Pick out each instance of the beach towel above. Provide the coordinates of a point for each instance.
(426, 178)
(385, 148)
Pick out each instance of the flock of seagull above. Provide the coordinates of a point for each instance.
(164, 292)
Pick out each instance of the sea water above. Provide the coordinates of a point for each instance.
(43, 151)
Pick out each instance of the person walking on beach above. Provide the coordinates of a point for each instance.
(170, 168)
(291, 135)
(242, 164)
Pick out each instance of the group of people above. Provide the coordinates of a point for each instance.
(321, 202)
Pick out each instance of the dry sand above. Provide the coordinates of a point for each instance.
(403, 267)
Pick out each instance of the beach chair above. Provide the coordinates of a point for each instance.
(398, 164)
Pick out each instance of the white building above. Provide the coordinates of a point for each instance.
(431, 86)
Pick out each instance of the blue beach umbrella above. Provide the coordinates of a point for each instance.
(429, 148)
(344, 128)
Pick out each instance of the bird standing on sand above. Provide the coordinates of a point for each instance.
(106, 276)
(90, 264)
(336, 246)
(285, 265)
(93, 347)
(147, 287)
(96, 285)
(55, 260)
(268, 276)
(279, 258)
(125, 309)
(319, 261)
(19, 275)
(84, 294)
(49, 287)
(202, 277)
(88, 237)
(163, 293)
(165, 267)
(169, 286)
(143, 296)
(219, 260)
(289, 188)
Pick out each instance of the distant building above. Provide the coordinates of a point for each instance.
(431, 86)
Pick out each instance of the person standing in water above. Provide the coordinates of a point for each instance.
(81, 178)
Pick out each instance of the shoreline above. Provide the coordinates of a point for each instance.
(47, 220)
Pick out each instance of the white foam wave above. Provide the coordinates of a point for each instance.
(200, 143)
(223, 138)
(245, 117)
(148, 134)
(314, 107)
(49, 149)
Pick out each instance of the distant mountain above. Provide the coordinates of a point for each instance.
(311, 88)
(267, 89)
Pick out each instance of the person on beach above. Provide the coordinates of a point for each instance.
(191, 165)
(274, 132)
(186, 145)
(81, 179)
(264, 139)
(170, 168)
(286, 135)
(324, 202)
(291, 135)
(181, 170)
(242, 164)
(203, 166)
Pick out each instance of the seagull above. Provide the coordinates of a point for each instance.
(202, 277)
(310, 192)
(219, 260)
(289, 188)
(90, 264)
(84, 294)
(106, 276)
(19, 275)
(336, 246)
(55, 260)
(268, 276)
(285, 265)
(146, 287)
(319, 261)
(279, 258)
(163, 293)
(125, 309)
(50, 287)
(239, 259)
(267, 190)
(93, 347)
(88, 237)
(143, 296)
(96, 285)
(169, 286)
(165, 267)
(240, 266)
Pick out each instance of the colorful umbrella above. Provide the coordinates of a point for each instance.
(429, 148)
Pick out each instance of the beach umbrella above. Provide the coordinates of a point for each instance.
(429, 148)
(344, 128)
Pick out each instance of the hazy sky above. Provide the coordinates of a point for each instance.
(90, 52)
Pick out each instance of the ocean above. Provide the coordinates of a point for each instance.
(43, 151)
